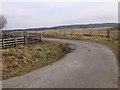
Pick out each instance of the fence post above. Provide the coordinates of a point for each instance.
(15, 41)
(71, 32)
(25, 38)
(98, 32)
(108, 34)
(60, 32)
(64, 32)
(3, 43)
(90, 32)
(41, 37)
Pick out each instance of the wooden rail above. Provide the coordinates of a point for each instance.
(12, 42)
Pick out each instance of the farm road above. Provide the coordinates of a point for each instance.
(90, 65)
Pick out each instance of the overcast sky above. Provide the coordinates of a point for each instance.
(44, 14)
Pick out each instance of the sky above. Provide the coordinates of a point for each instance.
(48, 14)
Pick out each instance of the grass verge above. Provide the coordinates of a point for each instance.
(112, 43)
(25, 58)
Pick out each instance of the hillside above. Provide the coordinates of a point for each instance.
(62, 27)
(84, 26)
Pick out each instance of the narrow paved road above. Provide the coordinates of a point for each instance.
(90, 65)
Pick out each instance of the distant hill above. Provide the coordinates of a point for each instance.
(84, 26)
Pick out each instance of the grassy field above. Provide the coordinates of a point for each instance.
(113, 33)
(98, 36)
(25, 58)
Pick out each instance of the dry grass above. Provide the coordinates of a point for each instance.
(23, 59)
(98, 36)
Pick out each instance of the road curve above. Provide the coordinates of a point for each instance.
(90, 65)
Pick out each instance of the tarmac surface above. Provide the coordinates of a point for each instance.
(89, 65)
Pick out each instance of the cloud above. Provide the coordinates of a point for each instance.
(26, 14)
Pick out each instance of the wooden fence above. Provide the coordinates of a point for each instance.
(12, 42)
